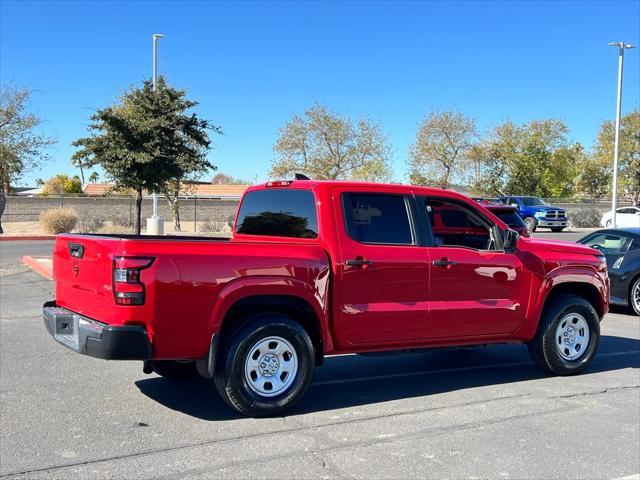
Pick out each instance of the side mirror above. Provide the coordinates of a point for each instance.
(510, 240)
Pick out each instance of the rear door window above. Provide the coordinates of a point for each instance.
(377, 218)
(278, 213)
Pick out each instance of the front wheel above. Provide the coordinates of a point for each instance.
(567, 337)
(635, 296)
(267, 367)
(557, 229)
(530, 223)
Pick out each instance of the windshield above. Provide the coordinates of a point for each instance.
(533, 201)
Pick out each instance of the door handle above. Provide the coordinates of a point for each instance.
(443, 263)
(358, 262)
(76, 250)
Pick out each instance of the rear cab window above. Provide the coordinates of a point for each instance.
(377, 218)
(278, 213)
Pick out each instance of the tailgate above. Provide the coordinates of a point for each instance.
(83, 274)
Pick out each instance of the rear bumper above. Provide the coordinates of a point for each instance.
(89, 337)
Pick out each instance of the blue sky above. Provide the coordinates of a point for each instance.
(252, 65)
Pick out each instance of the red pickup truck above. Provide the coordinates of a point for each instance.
(317, 268)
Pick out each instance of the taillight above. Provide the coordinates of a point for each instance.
(127, 287)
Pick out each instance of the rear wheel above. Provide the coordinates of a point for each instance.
(635, 296)
(567, 337)
(557, 229)
(530, 223)
(175, 369)
(267, 366)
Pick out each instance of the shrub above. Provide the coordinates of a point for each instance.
(216, 229)
(89, 223)
(584, 217)
(58, 220)
(123, 221)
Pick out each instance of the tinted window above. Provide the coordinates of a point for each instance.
(377, 218)
(533, 201)
(278, 213)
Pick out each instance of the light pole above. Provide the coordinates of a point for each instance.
(155, 225)
(614, 201)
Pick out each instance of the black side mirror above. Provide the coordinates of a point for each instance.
(510, 240)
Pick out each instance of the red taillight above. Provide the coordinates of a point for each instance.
(127, 287)
(278, 183)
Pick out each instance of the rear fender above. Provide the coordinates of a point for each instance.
(316, 297)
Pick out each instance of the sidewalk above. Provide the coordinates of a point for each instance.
(40, 265)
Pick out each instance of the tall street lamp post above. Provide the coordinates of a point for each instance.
(614, 201)
(155, 225)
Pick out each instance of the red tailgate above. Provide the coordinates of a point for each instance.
(83, 274)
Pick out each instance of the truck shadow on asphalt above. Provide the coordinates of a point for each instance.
(355, 380)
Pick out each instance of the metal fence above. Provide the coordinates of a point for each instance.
(121, 209)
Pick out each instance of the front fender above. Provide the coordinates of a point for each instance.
(577, 274)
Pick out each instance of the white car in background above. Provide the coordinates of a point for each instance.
(625, 217)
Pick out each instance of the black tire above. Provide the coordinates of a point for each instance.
(634, 290)
(230, 378)
(174, 369)
(542, 348)
(531, 223)
(557, 229)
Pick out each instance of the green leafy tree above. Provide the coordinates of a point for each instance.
(93, 177)
(629, 154)
(148, 141)
(531, 159)
(325, 145)
(441, 153)
(60, 184)
(22, 147)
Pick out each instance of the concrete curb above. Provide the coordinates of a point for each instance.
(15, 238)
(37, 266)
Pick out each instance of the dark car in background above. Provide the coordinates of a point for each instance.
(621, 247)
(509, 215)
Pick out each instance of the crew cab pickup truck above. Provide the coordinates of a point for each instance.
(316, 268)
(537, 213)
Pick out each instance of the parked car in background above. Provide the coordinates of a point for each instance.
(535, 212)
(621, 247)
(625, 217)
(509, 215)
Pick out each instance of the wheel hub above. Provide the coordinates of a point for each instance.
(572, 336)
(269, 365)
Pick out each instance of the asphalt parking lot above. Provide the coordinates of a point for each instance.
(473, 413)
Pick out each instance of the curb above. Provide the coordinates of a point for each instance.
(38, 267)
(14, 238)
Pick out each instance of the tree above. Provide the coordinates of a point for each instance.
(224, 179)
(22, 147)
(594, 177)
(325, 145)
(93, 178)
(148, 142)
(440, 153)
(60, 184)
(531, 159)
(629, 154)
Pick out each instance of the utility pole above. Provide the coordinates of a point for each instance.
(155, 224)
(614, 201)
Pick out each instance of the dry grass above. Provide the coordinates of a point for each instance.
(58, 220)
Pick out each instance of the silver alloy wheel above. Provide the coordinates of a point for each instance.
(635, 296)
(530, 223)
(271, 366)
(572, 336)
